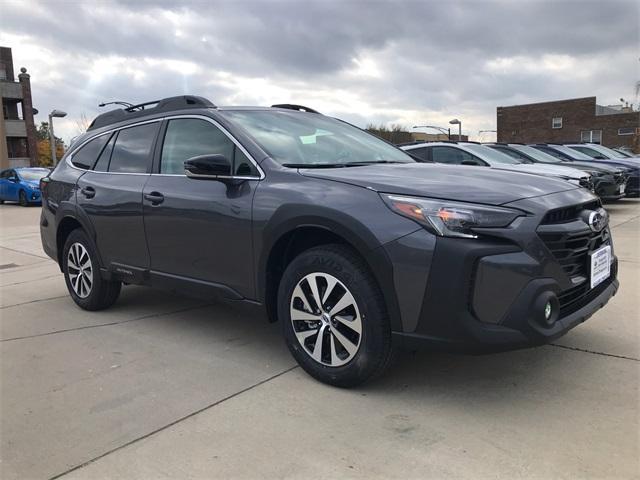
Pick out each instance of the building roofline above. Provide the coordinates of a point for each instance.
(550, 101)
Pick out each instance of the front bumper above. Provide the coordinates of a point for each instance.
(489, 294)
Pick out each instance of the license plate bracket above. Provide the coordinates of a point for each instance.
(600, 261)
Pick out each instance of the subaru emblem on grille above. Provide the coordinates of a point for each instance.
(597, 220)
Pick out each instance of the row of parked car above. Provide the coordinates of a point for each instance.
(610, 174)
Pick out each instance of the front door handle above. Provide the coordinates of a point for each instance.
(155, 198)
(88, 192)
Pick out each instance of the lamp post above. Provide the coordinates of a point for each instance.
(443, 130)
(455, 121)
(52, 137)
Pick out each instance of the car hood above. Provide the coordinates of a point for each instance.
(597, 166)
(453, 182)
(546, 170)
(32, 183)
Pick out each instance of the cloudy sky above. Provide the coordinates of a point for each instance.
(407, 62)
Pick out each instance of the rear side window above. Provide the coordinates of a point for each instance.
(132, 149)
(86, 156)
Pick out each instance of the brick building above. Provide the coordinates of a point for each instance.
(574, 120)
(18, 145)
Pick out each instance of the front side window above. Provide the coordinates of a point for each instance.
(453, 156)
(86, 155)
(420, 153)
(295, 138)
(190, 137)
(556, 122)
(133, 147)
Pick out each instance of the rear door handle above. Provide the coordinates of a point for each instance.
(88, 192)
(155, 198)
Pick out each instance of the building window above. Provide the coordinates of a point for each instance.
(626, 131)
(591, 136)
(556, 122)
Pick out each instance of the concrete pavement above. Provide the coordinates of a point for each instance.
(162, 386)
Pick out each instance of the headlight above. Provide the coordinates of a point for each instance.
(450, 219)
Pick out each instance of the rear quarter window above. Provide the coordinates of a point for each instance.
(86, 155)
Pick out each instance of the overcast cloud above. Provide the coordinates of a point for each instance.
(404, 62)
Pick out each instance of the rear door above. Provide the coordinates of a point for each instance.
(110, 195)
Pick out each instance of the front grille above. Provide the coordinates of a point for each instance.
(575, 298)
(571, 249)
(568, 214)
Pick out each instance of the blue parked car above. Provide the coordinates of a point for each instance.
(21, 185)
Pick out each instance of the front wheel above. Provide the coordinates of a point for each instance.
(82, 274)
(334, 317)
(22, 198)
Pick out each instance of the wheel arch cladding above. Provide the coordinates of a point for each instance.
(65, 227)
(303, 235)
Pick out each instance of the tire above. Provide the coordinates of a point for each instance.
(22, 199)
(355, 345)
(79, 259)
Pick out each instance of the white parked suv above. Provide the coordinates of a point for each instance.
(471, 153)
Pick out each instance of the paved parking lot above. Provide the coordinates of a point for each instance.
(167, 387)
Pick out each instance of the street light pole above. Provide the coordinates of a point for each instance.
(455, 121)
(52, 137)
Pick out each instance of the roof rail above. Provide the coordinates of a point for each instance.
(135, 111)
(293, 106)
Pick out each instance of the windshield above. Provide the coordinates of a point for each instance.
(608, 151)
(575, 154)
(32, 175)
(490, 155)
(537, 154)
(300, 139)
(591, 152)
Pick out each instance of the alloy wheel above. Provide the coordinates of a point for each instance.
(80, 270)
(326, 319)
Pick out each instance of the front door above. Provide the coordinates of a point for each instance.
(199, 230)
(110, 195)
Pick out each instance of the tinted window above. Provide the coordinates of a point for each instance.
(86, 156)
(189, 137)
(420, 153)
(453, 156)
(511, 153)
(102, 165)
(133, 148)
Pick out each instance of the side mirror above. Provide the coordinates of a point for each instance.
(469, 162)
(208, 166)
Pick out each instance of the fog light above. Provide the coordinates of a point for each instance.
(547, 309)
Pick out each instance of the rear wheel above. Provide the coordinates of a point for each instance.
(22, 198)
(333, 316)
(82, 274)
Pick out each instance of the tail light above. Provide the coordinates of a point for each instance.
(44, 183)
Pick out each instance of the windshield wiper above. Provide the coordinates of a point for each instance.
(339, 165)
(321, 165)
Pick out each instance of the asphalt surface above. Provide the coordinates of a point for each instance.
(166, 387)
